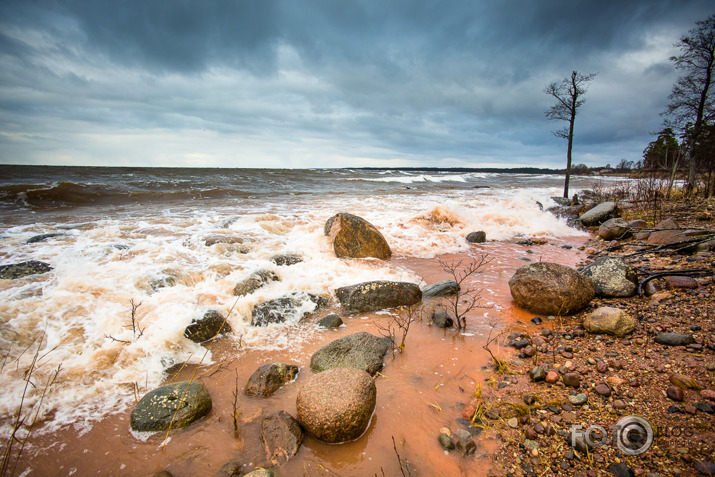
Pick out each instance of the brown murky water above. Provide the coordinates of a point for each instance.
(418, 392)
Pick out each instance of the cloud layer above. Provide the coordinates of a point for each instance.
(321, 83)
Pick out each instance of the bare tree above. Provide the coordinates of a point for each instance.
(692, 105)
(467, 296)
(569, 99)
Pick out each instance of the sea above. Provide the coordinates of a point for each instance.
(138, 241)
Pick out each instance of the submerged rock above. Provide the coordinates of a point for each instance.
(281, 436)
(43, 237)
(358, 350)
(551, 289)
(377, 295)
(255, 281)
(269, 378)
(613, 277)
(477, 237)
(207, 327)
(331, 321)
(288, 308)
(286, 259)
(355, 237)
(336, 405)
(443, 288)
(440, 319)
(226, 239)
(23, 269)
(155, 411)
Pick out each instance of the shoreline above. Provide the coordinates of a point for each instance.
(620, 377)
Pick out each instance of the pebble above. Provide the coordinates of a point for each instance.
(705, 467)
(537, 373)
(674, 393)
(530, 433)
(710, 366)
(536, 320)
(602, 367)
(531, 444)
(572, 379)
(579, 399)
(445, 442)
(708, 394)
(513, 423)
(552, 377)
(618, 404)
(620, 469)
(603, 389)
(703, 407)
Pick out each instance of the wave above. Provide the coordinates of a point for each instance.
(407, 179)
(75, 194)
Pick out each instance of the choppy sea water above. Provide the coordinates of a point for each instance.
(140, 235)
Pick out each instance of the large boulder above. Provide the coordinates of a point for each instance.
(377, 295)
(355, 237)
(551, 289)
(336, 405)
(158, 408)
(23, 269)
(281, 436)
(269, 377)
(358, 350)
(210, 325)
(609, 320)
(477, 237)
(612, 277)
(599, 214)
(615, 228)
(288, 308)
(255, 281)
(443, 288)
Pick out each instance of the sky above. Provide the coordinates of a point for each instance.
(328, 83)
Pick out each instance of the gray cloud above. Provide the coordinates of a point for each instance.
(321, 83)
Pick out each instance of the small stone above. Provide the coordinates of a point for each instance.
(674, 393)
(704, 407)
(552, 377)
(536, 320)
(572, 379)
(690, 409)
(620, 469)
(603, 389)
(468, 412)
(331, 321)
(708, 394)
(618, 404)
(445, 442)
(531, 444)
(579, 399)
(537, 373)
(601, 367)
(530, 433)
(705, 467)
(513, 423)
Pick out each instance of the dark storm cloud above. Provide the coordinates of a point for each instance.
(413, 81)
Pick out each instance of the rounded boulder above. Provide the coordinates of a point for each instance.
(551, 289)
(355, 237)
(336, 405)
(613, 277)
(176, 405)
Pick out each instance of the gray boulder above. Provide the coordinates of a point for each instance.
(23, 269)
(281, 436)
(336, 405)
(255, 281)
(331, 321)
(210, 325)
(355, 237)
(599, 214)
(612, 277)
(288, 308)
(358, 350)
(609, 320)
(155, 411)
(443, 288)
(477, 237)
(377, 295)
(613, 229)
(269, 377)
(551, 289)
